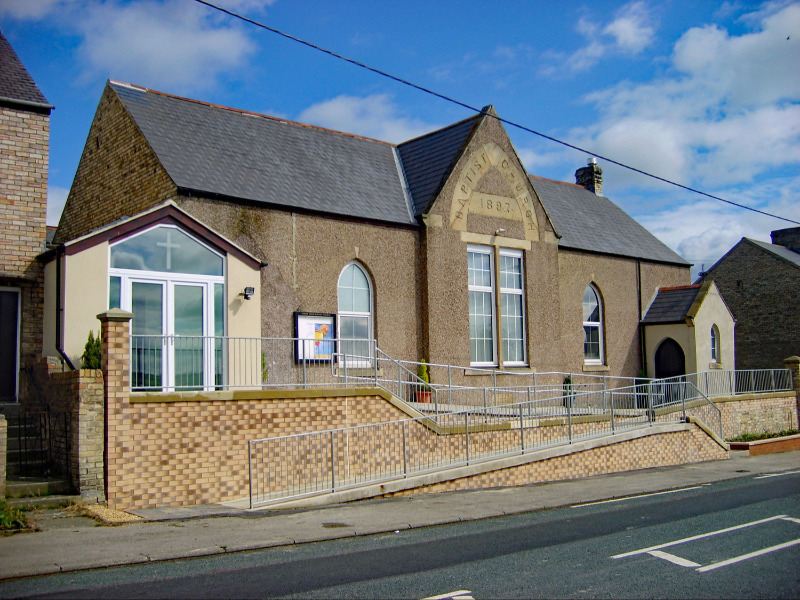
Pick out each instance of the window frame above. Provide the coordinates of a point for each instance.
(715, 344)
(598, 325)
(497, 292)
(370, 315)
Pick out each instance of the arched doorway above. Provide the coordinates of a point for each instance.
(670, 359)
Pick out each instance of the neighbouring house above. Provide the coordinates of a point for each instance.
(207, 221)
(688, 329)
(24, 148)
(761, 285)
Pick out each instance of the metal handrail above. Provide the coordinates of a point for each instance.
(337, 459)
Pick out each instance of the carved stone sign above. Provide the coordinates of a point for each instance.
(467, 200)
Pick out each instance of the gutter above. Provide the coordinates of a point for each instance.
(60, 309)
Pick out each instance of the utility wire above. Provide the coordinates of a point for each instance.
(475, 109)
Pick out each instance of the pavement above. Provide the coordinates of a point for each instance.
(70, 541)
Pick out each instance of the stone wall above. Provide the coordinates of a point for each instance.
(760, 289)
(757, 413)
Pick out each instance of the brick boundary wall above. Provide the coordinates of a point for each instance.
(668, 449)
(79, 394)
(192, 448)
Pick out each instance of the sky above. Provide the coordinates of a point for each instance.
(706, 94)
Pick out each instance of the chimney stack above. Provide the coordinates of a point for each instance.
(590, 177)
(788, 238)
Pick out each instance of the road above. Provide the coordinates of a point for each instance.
(731, 539)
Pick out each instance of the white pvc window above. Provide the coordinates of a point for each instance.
(174, 285)
(480, 271)
(592, 327)
(715, 357)
(355, 315)
(512, 302)
(484, 283)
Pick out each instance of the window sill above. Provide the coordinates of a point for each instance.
(715, 366)
(596, 369)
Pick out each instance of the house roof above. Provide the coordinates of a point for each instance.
(780, 251)
(16, 85)
(427, 160)
(236, 154)
(673, 304)
(243, 156)
(590, 222)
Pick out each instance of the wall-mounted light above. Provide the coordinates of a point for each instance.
(500, 231)
(248, 292)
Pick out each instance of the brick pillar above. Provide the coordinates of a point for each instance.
(793, 364)
(115, 364)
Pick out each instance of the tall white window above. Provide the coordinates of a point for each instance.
(355, 315)
(512, 315)
(715, 344)
(483, 280)
(592, 327)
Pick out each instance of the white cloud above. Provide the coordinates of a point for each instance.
(373, 116)
(30, 9)
(56, 198)
(630, 32)
(728, 112)
(177, 45)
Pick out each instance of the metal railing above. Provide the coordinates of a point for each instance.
(173, 363)
(308, 464)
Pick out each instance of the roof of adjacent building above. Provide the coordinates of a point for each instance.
(594, 223)
(16, 84)
(242, 156)
(672, 304)
(790, 256)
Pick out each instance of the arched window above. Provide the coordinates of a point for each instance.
(355, 314)
(592, 327)
(715, 357)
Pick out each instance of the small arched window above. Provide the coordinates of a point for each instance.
(715, 356)
(592, 326)
(355, 314)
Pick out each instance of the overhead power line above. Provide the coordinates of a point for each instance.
(477, 110)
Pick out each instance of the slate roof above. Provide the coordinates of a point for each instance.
(590, 222)
(427, 160)
(241, 156)
(244, 156)
(16, 84)
(671, 305)
(780, 251)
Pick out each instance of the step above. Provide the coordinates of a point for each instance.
(36, 487)
(54, 501)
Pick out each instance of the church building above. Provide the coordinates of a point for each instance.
(204, 220)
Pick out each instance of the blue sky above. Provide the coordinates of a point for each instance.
(703, 93)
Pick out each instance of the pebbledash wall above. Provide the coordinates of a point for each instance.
(191, 448)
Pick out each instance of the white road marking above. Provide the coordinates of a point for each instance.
(777, 474)
(743, 557)
(697, 487)
(677, 560)
(792, 519)
(698, 537)
(457, 595)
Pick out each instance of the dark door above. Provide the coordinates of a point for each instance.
(670, 360)
(9, 338)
